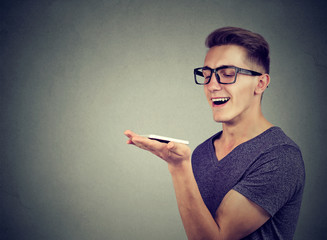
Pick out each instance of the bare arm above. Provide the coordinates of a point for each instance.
(236, 216)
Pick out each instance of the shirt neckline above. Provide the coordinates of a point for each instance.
(217, 135)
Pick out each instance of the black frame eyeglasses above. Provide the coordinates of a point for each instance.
(224, 74)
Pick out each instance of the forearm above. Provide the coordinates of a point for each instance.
(197, 220)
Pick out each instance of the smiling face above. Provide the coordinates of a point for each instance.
(235, 102)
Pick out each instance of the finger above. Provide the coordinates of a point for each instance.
(147, 144)
(129, 141)
(129, 134)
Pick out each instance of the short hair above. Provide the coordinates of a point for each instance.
(256, 46)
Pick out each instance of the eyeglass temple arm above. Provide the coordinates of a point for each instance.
(248, 72)
(253, 73)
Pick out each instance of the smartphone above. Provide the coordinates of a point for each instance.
(165, 139)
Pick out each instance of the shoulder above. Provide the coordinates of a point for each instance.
(283, 160)
(276, 153)
(275, 136)
(207, 144)
(280, 151)
(270, 143)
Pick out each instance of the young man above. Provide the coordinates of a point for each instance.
(245, 182)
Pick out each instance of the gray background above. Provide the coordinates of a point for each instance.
(76, 74)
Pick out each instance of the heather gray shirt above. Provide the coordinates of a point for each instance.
(267, 169)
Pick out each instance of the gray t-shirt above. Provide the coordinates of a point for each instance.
(267, 169)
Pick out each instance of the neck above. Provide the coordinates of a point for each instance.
(237, 132)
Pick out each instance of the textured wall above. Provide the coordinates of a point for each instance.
(75, 74)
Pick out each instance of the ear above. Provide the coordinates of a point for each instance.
(263, 82)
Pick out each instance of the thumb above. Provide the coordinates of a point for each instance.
(171, 146)
(176, 148)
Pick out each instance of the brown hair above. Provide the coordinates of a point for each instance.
(256, 46)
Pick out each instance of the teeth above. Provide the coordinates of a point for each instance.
(220, 99)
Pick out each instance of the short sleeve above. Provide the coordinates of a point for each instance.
(274, 178)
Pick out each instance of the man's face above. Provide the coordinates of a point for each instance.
(241, 102)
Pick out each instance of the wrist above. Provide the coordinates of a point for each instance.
(180, 168)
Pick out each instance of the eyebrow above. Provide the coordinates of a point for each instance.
(222, 66)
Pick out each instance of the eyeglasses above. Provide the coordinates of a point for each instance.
(224, 74)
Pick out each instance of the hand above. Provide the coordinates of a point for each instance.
(175, 154)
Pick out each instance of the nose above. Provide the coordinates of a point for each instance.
(214, 85)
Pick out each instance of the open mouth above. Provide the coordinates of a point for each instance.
(220, 101)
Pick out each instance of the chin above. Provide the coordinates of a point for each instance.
(219, 119)
(222, 119)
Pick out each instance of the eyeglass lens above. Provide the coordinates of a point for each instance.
(226, 75)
